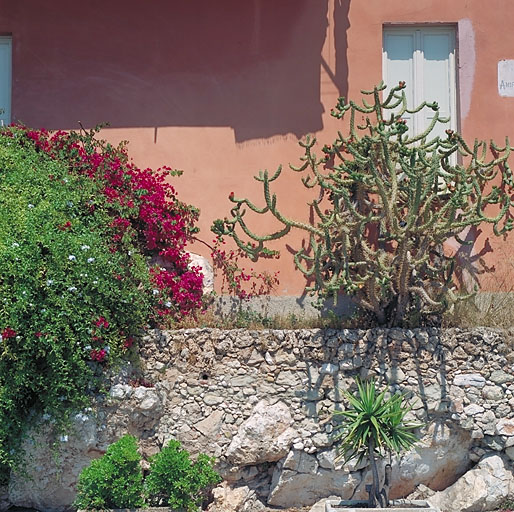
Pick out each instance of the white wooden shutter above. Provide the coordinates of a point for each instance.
(424, 58)
(5, 79)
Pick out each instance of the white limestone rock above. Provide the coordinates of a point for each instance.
(479, 490)
(208, 274)
(229, 499)
(50, 485)
(264, 437)
(289, 488)
(469, 380)
(437, 460)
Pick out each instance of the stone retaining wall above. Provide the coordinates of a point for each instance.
(261, 402)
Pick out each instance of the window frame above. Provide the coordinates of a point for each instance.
(418, 58)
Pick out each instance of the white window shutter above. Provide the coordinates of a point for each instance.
(423, 57)
(399, 48)
(5, 79)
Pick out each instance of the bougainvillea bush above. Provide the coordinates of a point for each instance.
(80, 226)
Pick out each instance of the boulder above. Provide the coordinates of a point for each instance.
(438, 460)
(479, 490)
(4, 498)
(195, 260)
(264, 437)
(289, 488)
(229, 499)
(49, 483)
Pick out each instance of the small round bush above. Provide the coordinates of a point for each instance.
(177, 481)
(113, 481)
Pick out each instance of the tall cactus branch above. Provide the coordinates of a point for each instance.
(386, 203)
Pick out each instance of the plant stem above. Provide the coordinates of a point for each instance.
(373, 493)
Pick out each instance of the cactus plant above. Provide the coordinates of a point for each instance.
(387, 202)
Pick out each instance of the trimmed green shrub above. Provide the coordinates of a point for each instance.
(113, 481)
(116, 481)
(177, 481)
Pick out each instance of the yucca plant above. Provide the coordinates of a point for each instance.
(372, 427)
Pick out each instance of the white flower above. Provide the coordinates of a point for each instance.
(43, 310)
(87, 348)
(95, 282)
(168, 304)
(65, 180)
(71, 257)
(107, 348)
(90, 260)
(85, 247)
(155, 291)
(18, 337)
(49, 282)
(15, 244)
(130, 253)
(30, 206)
(69, 203)
(64, 438)
(72, 289)
(1, 337)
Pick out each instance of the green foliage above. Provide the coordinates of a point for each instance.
(177, 481)
(113, 481)
(116, 481)
(374, 425)
(68, 302)
(374, 422)
(385, 203)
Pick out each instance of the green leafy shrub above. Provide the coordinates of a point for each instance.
(177, 481)
(113, 481)
(374, 426)
(116, 481)
(79, 225)
(384, 204)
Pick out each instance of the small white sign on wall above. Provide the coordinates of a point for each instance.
(506, 78)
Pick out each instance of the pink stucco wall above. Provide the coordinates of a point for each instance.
(223, 89)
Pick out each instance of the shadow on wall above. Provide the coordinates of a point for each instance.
(253, 65)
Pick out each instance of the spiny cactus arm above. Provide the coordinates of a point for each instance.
(350, 206)
(298, 257)
(432, 105)
(423, 135)
(418, 290)
(371, 295)
(238, 220)
(403, 265)
(382, 191)
(246, 202)
(391, 201)
(414, 204)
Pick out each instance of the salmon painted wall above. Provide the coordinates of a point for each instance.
(224, 88)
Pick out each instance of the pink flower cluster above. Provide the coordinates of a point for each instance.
(144, 206)
(102, 322)
(98, 355)
(8, 333)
